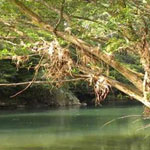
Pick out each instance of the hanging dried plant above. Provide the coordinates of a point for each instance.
(101, 88)
(56, 61)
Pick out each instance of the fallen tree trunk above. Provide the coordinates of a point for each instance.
(127, 89)
(131, 91)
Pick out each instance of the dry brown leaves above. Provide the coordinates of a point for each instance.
(56, 60)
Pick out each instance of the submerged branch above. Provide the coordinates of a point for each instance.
(122, 117)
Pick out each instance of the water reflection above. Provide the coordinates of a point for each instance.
(74, 129)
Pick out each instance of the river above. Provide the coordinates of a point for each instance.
(115, 128)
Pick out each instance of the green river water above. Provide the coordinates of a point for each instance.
(75, 129)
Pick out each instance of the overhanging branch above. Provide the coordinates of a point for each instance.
(131, 76)
(37, 82)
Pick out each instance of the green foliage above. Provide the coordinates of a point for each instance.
(7, 71)
(5, 52)
(114, 44)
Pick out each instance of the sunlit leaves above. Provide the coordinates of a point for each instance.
(114, 44)
(5, 52)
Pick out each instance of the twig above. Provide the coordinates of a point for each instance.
(84, 18)
(7, 38)
(65, 16)
(38, 82)
(11, 57)
(9, 42)
(135, 121)
(123, 117)
(22, 83)
(61, 16)
(34, 78)
(142, 128)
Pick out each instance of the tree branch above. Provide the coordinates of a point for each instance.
(37, 82)
(61, 16)
(65, 16)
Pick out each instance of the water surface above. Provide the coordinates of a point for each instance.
(74, 129)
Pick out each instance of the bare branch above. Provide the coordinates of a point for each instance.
(65, 16)
(123, 117)
(37, 82)
(34, 78)
(84, 18)
(61, 16)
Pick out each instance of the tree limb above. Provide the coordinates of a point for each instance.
(37, 82)
(65, 16)
(61, 15)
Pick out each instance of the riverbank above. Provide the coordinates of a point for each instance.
(43, 97)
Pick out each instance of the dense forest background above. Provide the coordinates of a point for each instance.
(63, 49)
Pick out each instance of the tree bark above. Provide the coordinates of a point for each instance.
(145, 60)
(127, 89)
(146, 92)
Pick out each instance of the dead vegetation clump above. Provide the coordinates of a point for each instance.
(56, 60)
(57, 65)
